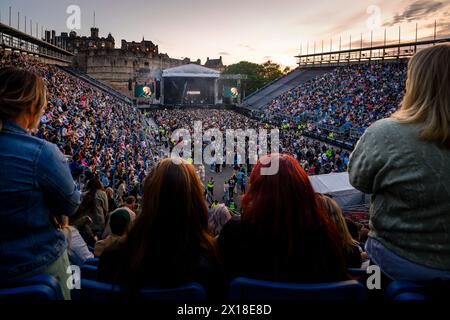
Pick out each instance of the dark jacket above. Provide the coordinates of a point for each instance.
(165, 271)
(245, 254)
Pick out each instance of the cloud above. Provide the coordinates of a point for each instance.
(224, 53)
(444, 29)
(246, 46)
(419, 9)
(267, 57)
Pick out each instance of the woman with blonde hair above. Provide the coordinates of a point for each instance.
(404, 162)
(351, 247)
(112, 205)
(219, 216)
(77, 248)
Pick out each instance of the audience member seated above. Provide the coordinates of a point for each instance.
(95, 205)
(83, 225)
(129, 205)
(78, 249)
(341, 102)
(403, 161)
(119, 221)
(169, 243)
(283, 234)
(36, 185)
(351, 246)
(219, 216)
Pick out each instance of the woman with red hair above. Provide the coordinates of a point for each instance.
(283, 234)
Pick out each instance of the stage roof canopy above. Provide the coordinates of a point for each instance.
(191, 71)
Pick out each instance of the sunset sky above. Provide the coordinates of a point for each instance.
(237, 30)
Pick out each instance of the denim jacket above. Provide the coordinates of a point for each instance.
(35, 185)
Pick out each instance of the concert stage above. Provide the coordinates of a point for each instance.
(190, 84)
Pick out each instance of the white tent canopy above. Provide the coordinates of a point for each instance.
(191, 71)
(338, 186)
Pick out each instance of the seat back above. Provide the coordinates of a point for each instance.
(187, 292)
(251, 289)
(88, 272)
(404, 290)
(92, 261)
(97, 291)
(37, 288)
(92, 290)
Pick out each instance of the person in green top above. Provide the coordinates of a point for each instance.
(210, 186)
(403, 162)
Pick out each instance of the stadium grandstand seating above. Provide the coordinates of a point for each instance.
(96, 83)
(260, 98)
(74, 102)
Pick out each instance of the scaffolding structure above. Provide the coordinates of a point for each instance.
(18, 41)
(366, 54)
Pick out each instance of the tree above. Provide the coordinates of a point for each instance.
(254, 72)
(286, 70)
(271, 71)
(258, 75)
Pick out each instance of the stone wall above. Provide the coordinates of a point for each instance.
(117, 66)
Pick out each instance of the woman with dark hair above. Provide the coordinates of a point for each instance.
(36, 186)
(95, 205)
(284, 234)
(169, 243)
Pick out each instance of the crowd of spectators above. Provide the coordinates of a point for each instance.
(148, 221)
(99, 134)
(341, 103)
(315, 157)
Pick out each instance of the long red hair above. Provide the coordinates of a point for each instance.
(281, 212)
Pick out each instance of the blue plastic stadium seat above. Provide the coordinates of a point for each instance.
(357, 271)
(37, 288)
(95, 291)
(92, 262)
(410, 296)
(251, 289)
(188, 292)
(89, 272)
(98, 291)
(401, 290)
